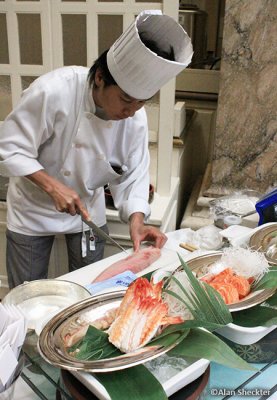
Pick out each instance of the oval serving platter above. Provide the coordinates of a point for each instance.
(52, 349)
(200, 265)
(265, 240)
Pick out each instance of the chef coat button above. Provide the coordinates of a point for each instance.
(89, 116)
(101, 156)
(109, 124)
(124, 168)
(67, 173)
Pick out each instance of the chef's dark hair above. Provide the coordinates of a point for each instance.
(101, 62)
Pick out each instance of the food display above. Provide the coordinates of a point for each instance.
(115, 335)
(149, 306)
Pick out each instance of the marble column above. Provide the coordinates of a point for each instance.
(245, 146)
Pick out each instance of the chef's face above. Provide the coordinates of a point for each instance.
(114, 101)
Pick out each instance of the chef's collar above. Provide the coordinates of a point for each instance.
(89, 102)
(137, 70)
(91, 107)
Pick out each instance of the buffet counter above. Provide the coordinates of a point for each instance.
(40, 380)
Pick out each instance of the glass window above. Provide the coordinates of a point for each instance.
(26, 81)
(106, 35)
(4, 51)
(148, 1)
(74, 39)
(5, 96)
(29, 30)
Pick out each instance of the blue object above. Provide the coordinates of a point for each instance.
(267, 207)
(123, 279)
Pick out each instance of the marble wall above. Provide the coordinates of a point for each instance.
(245, 149)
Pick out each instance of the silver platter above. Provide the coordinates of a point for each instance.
(40, 299)
(202, 263)
(265, 240)
(52, 349)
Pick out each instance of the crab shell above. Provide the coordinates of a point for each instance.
(139, 316)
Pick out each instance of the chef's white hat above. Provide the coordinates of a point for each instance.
(137, 70)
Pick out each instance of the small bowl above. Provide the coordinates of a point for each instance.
(39, 298)
(109, 198)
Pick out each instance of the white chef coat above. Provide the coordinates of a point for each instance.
(54, 127)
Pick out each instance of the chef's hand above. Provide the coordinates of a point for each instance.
(140, 232)
(65, 199)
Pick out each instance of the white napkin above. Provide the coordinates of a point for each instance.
(239, 236)
(8, 364)
(204, 239)
(13, 329)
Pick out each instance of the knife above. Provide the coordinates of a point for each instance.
(102, 234)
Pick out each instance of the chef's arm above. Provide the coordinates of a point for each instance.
(64, 198)
(140, 232)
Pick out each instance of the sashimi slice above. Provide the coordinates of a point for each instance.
(241, 284)
(228, 292)
(136, 262)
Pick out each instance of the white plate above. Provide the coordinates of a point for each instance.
(245, 336)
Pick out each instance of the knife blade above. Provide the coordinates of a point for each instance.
(103, 234)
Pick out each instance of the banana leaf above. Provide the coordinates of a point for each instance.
(140, 384)
(94, 346)
(136, 383)
(264, 314)
(204, 303)
(202, 344)
(269, 280)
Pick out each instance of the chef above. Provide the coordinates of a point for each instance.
(75, 130)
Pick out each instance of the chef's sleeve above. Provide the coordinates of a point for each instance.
(24, 130)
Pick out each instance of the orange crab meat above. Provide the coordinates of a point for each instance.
(139, 316)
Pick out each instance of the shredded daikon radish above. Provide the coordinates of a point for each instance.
(245, 262)
(175, 306)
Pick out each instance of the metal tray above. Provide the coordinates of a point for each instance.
(202, 262)
(41, 299)
(265, 240)
(52, 349)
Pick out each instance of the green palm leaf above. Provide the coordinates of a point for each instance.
(203, 302)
